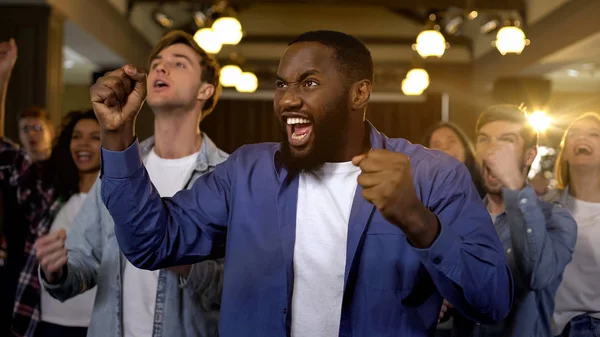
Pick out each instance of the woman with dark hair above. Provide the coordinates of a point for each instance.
(75, 163)
(449, 138)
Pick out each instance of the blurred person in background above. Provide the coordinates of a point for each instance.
(36, 133)
(538, 237)
(577, 303)
(76, 157)
(27, 193)
(451, 139)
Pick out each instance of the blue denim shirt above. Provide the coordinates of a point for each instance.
(538, 239)
(183, 309)
(245, 210)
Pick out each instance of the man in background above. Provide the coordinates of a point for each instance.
(538, 237)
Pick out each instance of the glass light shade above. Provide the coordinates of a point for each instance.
(230, 75)
(419, 77)
(410, 88)
(510, 40)
(430, 43)
(208, 40)
(247, 82)
(228, 29)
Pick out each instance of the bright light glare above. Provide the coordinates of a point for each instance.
(539, 120)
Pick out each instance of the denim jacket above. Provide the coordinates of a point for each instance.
(184, 307)
(538, 239)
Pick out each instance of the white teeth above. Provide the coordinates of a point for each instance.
(159, 83)
(292, 121)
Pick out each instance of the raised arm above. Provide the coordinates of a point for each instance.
(8, 58)
(451, 231)
(152, 232)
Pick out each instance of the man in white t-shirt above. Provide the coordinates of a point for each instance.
(336, 231)
(183, 87)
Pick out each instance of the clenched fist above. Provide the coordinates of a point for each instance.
(52, 254)
(387, 183)
(117, 97)
(504, 163)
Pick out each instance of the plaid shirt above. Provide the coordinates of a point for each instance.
(35, 191)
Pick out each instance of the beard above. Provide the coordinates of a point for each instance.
(328, 133)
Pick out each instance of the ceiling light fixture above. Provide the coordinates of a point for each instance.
(511, 39)
(430, 42)
(489, 26)
(419, 77)
(208, 40)
(199, 19)
(162, 19)
(454, 25)
(230, 75)
(247, 83)
(229, 30)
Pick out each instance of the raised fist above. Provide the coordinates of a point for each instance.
(117, 97)
(8, 56)
(52, 254)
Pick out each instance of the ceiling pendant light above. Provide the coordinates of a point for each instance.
(511, 39)
(430, 42)
(229, 30)
(208, 40)
(247, 82)
(230, 75)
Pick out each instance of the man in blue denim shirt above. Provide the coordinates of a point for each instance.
(184, 301)
(309, 252)
(538, 237)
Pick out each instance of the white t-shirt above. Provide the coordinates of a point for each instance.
(139, 286)
(76, 311)
(579, 292)
(323, 211)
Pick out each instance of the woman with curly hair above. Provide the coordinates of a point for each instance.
(75, 162)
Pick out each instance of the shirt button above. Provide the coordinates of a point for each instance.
(437, 260)
(523, 201)
(285, 311)
(529, 230)
(508, 251)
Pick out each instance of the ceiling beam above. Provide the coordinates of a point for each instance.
(572, 22)
(101, 20)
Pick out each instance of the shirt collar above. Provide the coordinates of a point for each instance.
(209, 156)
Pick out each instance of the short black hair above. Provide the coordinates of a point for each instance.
(354, 59)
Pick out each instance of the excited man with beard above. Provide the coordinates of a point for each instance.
(309, 251)
(538, 237)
